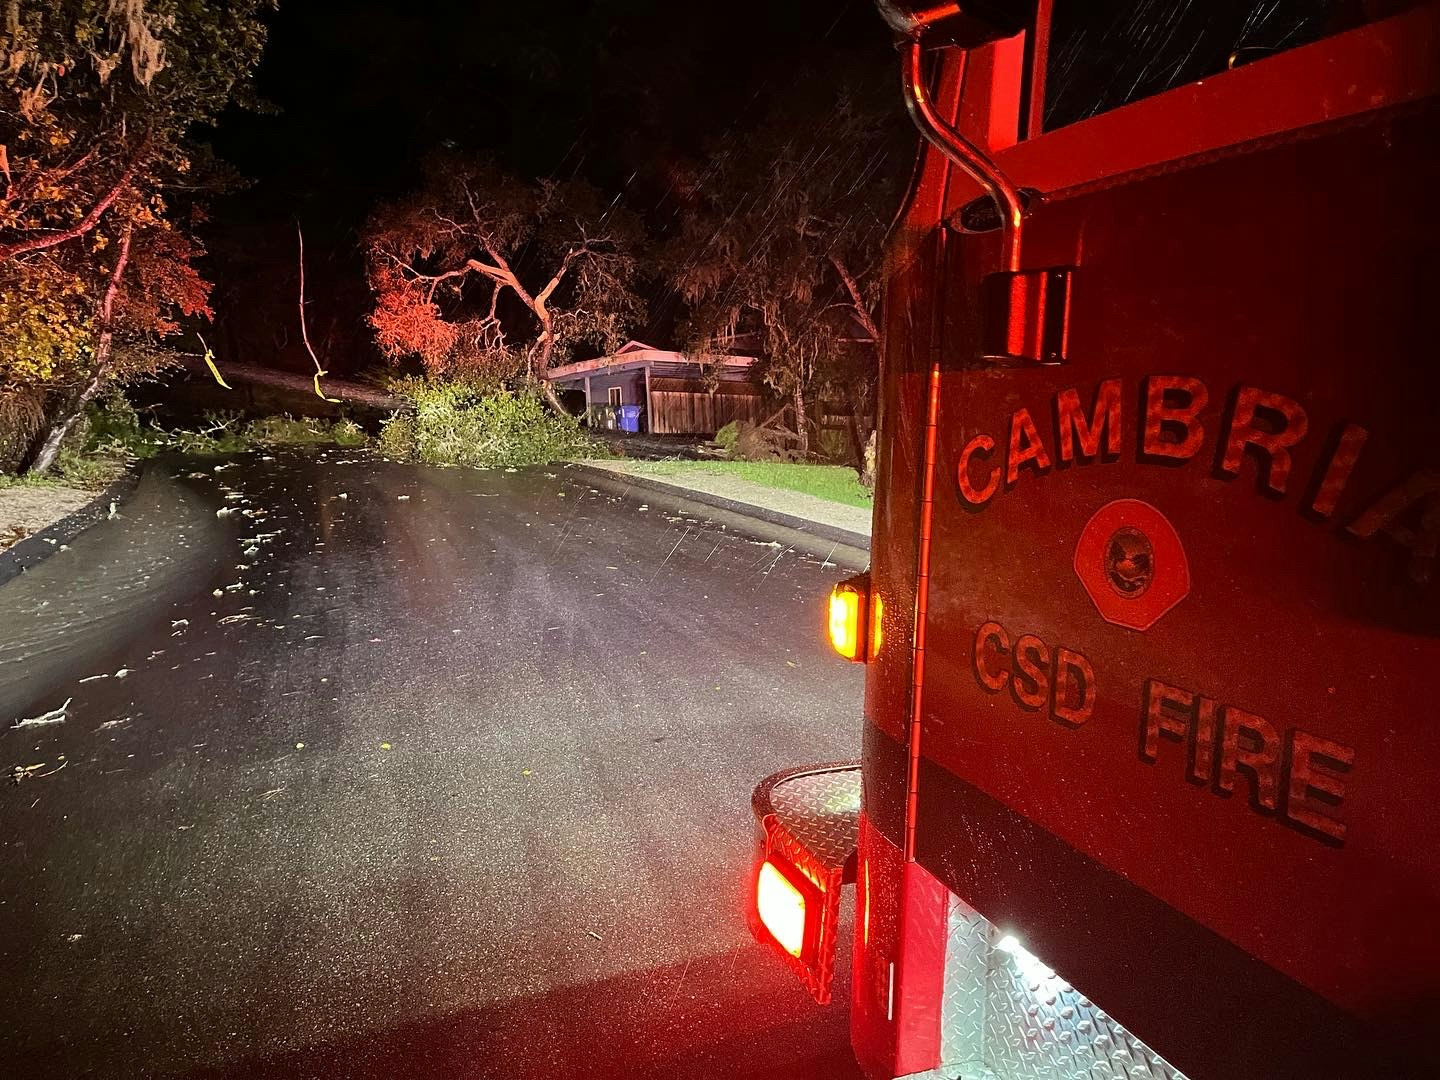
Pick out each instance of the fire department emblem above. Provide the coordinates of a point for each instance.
(1132, 565)
(1129, 562)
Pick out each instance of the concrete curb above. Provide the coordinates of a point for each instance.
(34, 550)
(761, 513)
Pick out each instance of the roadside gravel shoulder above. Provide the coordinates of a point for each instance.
(26, 510)
(50, 517)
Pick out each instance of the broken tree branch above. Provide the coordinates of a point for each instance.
(857, 299)
(304, 333)
(54, 716)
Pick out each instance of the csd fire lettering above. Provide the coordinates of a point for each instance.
(1293, 776)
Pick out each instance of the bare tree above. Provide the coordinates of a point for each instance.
(480, 273)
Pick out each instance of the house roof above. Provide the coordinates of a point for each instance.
(636, 354)
(635, 346)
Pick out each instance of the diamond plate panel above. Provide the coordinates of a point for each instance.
(962, 1017)
(1009, 1017)
(822, 811)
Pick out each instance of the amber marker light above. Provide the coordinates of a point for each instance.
(781, 907)
(848, 625)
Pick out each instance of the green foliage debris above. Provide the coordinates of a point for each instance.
(458, 423)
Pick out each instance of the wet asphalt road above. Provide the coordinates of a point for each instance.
(450, 779)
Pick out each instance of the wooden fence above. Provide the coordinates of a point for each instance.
(682, 407)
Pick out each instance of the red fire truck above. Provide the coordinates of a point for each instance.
(1149, 740)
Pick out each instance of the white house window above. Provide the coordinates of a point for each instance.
(614, 397)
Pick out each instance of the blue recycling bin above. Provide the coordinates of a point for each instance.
(629, 418)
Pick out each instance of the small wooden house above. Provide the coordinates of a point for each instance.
(677, 395)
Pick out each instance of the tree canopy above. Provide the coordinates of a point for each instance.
(785, 246)
(480, 273)
(97, 250)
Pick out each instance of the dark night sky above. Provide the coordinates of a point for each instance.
(614, 91)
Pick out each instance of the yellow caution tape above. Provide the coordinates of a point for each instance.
(210, 363)
(321, 393)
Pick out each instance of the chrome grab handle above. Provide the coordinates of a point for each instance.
(968, 157)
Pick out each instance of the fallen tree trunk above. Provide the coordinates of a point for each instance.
(350, 393)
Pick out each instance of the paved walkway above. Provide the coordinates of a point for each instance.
(736, 492)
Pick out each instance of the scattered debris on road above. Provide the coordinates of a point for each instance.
(54, 716)
(32, 772)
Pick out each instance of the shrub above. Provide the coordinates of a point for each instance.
(834, 446)
(86, 470)
(114, 427)
(111, 431)
(727, 436)
(458, 423)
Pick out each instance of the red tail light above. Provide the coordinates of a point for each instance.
(781, 907)
(789, 908)
(808, 819)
